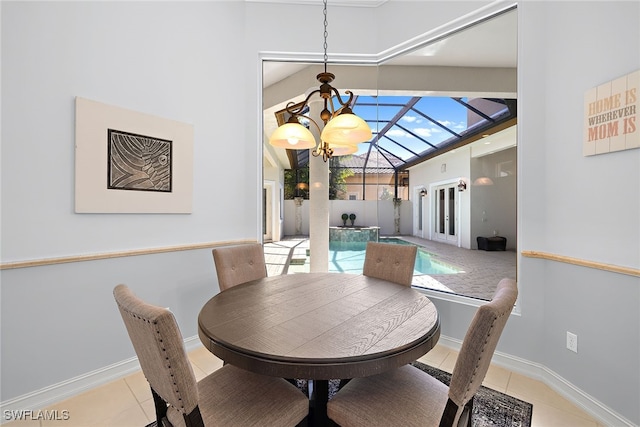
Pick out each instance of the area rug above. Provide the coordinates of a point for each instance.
(490, 407)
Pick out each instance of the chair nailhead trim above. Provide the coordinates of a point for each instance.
(168, 366)
(475, 369)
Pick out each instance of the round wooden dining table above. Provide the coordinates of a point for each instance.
(319, 326)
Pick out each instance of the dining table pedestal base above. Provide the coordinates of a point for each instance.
(318, 398)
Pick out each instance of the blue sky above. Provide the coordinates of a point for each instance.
(445, 111)
(430, 121)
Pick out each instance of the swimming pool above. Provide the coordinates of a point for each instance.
(348, 257)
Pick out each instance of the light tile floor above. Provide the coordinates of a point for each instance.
(127, 401)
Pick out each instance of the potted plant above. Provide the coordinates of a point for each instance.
(345, 217)
(352, 217)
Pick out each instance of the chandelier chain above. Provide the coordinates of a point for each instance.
(337, 138)
(326, 34)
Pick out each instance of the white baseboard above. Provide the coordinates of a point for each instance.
(50, 395)
(584, 401)
(47, 396)
(587, 403)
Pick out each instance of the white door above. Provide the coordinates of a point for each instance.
(267, 208)
(420, 208)
(445, 213)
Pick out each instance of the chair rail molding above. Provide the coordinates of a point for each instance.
(118, 254)
(630, 271)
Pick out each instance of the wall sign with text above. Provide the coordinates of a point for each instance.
(611, 116)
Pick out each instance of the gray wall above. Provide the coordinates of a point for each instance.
(160, 58)
(60, 321)
(582, 207)
(197, 62)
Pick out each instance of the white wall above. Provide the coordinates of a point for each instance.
(59, 322)
(273, 176)
(493, 207)
(449, 167)
(378, 213)
(290, 215)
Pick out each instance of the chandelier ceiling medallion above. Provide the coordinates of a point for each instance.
(342, 131)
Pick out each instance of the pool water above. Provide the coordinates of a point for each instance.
(348, 257)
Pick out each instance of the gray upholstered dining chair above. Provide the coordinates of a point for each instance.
(239, 264)
(229, 396)
(407, 396)
(388, 261)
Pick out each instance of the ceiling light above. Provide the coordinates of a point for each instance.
(483, 180)
(342, 131)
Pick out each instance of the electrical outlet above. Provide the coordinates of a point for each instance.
(572, 342)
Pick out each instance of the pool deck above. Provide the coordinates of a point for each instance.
(481, 270)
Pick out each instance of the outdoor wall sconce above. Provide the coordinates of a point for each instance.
(423, 192)
(462, 185)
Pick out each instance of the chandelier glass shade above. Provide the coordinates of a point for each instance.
(343, 150)
(342, 131)
(293, 136)
(328, 151)
(346, 129)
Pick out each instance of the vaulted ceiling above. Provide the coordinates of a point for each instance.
(412, 127)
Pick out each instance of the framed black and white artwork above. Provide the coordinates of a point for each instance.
(131, 162)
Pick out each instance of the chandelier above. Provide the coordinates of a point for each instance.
(342, 131)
